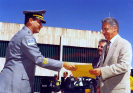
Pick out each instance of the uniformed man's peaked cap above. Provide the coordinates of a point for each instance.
(38, 14)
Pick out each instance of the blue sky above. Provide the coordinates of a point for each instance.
(73, 14)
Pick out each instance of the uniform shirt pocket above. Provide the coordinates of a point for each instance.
(25, 84)
(25, 77)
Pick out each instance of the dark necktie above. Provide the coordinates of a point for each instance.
(107, 49)
(98, 65)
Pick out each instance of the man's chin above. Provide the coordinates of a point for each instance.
(100, 53)
(37, 31)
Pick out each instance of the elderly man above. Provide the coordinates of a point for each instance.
(116, 59)
(96, 63)
(23, 54)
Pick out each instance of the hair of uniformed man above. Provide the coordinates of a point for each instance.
(112, 22)
(27, 19)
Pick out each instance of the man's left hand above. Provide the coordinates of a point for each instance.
(96, 71)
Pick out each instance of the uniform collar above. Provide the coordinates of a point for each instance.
(27, 29)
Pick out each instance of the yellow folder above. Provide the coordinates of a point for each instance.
(83, 71)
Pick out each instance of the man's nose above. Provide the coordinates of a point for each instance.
(99, 48)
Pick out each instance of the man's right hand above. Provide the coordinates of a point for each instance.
(96, 71)
(69, 66)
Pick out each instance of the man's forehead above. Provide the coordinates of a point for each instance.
(103, 42)
(105, 24)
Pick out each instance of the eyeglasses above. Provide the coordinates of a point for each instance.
(104, 29)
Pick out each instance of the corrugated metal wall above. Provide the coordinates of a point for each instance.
(79, 54)
(50, 51)
(37, 84)
(3, 46)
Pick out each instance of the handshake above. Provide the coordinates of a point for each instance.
(69, 66)
(81, 70)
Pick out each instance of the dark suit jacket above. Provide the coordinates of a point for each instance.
(94, 81)
(65, 83)
(95, 62)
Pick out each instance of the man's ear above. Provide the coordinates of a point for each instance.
(115, 28)
(30, 21)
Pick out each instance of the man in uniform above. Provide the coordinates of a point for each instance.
(55, 84)
(23, 54)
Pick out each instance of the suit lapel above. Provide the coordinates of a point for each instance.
(102, 57)
(111, 51)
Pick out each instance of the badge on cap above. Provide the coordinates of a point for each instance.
(31, 42)
(45, 61)
(38, 14)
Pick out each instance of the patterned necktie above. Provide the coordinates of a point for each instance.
(107, 49)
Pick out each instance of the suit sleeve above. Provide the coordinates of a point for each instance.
(120, 62)
(32, 52)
